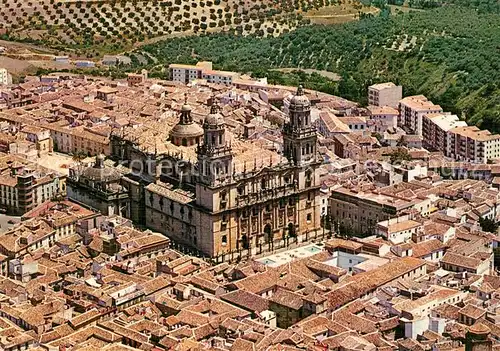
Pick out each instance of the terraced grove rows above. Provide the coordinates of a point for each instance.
(83, 23)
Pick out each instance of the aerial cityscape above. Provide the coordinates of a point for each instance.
(232, 175)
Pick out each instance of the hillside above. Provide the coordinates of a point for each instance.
(91, 27)
(451, 54)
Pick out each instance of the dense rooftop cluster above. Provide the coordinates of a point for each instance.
(101, 284)
(403, 258)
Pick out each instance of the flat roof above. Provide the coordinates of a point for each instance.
(381, 86)
(372, 262)
(219, 73)
(446, 122)
(420, 103)
(474, 133)
(178, 65)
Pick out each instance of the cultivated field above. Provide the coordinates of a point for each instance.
(341, 13)
(118, 24)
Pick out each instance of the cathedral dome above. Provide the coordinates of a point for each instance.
(214, 118)
(186, 130)
(299, 99)
(479, 329)
(101, 174)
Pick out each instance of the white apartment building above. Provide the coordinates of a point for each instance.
(472, 144)
(202, 70)
(435, 127)
(185, 73)
(412, 109)
(385, 94)
(219, 77)
(446, 133)
(5, 77)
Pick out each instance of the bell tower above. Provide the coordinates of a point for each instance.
(299, 135)
(215, 158)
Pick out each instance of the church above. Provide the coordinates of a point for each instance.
(225, 196)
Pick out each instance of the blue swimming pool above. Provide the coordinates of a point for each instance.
(313, 249)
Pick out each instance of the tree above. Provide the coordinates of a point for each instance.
(78, 156)
(400, 155)
(488, 225)
(401, 141)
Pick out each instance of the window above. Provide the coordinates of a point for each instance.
(308, 179)
(224, 240)
(241, 190)
(223, 225)
(309, 217)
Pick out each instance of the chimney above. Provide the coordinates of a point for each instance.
(248, 130)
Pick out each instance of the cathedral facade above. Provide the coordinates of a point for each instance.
(233, 199)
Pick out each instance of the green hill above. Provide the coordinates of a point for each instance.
(450, 53)
(93, 27)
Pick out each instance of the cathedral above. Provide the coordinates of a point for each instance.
(225, 196)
